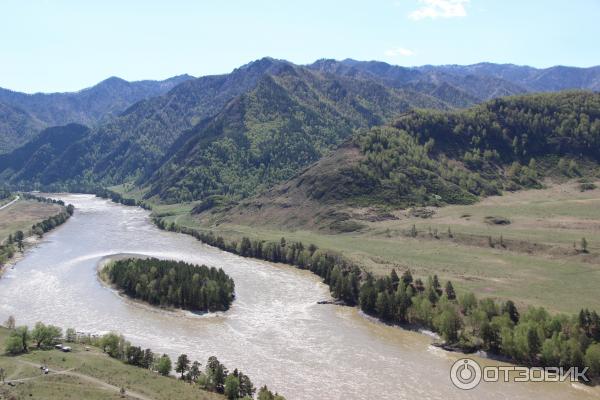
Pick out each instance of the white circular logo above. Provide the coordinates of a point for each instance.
(465, 374)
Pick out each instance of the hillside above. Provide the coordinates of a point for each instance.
(430, 158)
(524, 245)
(28, 162)
(87, 372)
(16, 127)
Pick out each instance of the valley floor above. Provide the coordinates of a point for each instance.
(22, 214)
(525, 246)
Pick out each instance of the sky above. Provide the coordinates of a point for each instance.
(67, 45)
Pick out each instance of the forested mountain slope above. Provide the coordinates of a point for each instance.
(16, 127)
(436, 158)
(261, 103)
(265, 136)
(28, 162)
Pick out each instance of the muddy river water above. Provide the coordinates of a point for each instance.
(275, 331)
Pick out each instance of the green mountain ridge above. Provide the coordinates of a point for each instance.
(133, 144)
(263, 137)
(136, 144)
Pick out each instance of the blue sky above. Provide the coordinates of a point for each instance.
(65, 45)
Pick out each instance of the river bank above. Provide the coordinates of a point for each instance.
(34, 221)
(29, 243)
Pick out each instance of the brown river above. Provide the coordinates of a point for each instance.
(275, 331)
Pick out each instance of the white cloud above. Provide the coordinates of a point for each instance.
(399, 52)
(440, 9)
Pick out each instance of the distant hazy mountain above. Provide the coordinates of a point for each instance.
(480, 82)
(239, 133)
(458, 89)
(88, 106)
(534, 80)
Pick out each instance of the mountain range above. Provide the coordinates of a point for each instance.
(24, 115)
(237, 134)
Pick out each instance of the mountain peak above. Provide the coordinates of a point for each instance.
(263, 65)
(113, 80)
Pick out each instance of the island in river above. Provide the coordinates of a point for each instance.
(171, 284)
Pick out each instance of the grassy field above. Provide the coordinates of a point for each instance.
(23, 214)
(539, 262)
(87, 374)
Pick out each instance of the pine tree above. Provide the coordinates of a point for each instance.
(450, 293)
(436, 285)
(19, 237)
(395, 279)
(407, 278)
(510, 309)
